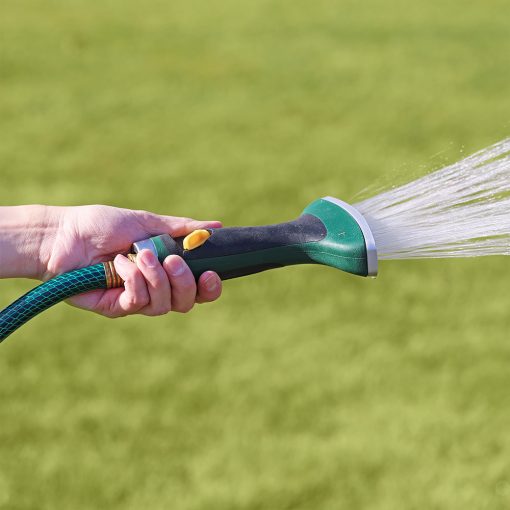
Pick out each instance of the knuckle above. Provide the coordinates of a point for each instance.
(143, 215)
(189, 224)
(137, 301)
(130, 305)
(56, 263)
(158, 281)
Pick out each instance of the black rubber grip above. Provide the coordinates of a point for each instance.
(239, 251)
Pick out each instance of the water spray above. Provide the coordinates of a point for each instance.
(461, 210)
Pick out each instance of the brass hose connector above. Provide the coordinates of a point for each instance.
(113, 280)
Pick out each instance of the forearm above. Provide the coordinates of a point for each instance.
(26, 235)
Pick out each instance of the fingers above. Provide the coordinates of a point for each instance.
(158, 285)
(182, 281)
(136, 294)
(151, 288)
(209, 287)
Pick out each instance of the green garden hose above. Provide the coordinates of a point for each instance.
(329, 232)
(48, 294)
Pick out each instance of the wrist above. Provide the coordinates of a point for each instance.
(27, 235)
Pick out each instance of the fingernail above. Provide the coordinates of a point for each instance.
(176, 266)
(211, 282)
(148, 259)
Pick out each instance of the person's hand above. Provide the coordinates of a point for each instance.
(86, 235)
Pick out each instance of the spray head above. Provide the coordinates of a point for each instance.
(349, 244)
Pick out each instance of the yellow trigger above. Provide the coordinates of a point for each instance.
(195, 239)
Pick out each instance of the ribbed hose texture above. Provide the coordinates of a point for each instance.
(48, 294)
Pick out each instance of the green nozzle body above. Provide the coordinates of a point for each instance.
(329, 232)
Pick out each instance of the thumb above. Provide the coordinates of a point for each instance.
(157, 224)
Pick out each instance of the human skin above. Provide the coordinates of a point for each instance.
(40, 242)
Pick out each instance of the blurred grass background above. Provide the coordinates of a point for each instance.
(303, 388)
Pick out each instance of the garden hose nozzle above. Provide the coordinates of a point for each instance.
(329, 232)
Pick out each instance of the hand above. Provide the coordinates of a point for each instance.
(87, 235)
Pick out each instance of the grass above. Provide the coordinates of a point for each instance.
(302, 388)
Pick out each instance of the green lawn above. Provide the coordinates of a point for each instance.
(303, 388)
